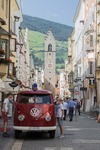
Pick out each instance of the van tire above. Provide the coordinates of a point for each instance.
(17, 133)
(52, 134)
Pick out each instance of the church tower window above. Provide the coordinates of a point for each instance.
(49, 47)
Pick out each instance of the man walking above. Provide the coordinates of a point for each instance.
(71, 105)
(60, 115)
(5, 111)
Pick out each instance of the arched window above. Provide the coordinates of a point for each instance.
(49, 47)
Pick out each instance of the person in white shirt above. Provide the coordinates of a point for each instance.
(60, 115)
(5, 111)
(65, 105)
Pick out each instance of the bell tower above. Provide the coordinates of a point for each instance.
(49, 71)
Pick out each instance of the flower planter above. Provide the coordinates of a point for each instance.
(3, 68)
(7, 61)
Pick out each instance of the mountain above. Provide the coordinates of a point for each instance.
(60, 31)
(38, 29)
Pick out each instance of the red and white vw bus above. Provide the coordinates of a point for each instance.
(34, 111)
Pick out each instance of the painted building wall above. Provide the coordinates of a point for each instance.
(78, 68)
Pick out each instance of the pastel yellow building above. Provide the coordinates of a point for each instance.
(8, 9)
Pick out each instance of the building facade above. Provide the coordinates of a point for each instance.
(89, 44)
(86, 62)
(98, 53)
(50, 56)
(78, 51)
(70, 64)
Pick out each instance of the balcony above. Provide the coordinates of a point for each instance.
(88, 75)
(89, 48)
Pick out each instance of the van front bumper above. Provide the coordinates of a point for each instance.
(34, 128)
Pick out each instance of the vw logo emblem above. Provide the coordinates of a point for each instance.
(34, 112)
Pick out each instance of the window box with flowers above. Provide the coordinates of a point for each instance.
(7, 61)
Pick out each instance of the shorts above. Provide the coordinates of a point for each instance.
(60, 121)
(4, 117)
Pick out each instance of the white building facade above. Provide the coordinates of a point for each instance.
(78, 51)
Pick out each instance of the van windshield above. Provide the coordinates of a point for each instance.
(37, 99)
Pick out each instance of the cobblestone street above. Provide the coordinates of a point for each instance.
(81, 134)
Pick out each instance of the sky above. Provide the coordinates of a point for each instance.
(61, 11)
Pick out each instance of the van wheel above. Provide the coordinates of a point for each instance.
(52, 134)
(17, 133)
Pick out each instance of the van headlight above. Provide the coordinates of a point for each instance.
(48, 117)
(21, 117)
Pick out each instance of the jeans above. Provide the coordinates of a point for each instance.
(71, 110)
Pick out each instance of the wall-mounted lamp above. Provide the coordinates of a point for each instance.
(16, 18)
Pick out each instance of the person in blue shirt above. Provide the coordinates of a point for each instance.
(71, 106)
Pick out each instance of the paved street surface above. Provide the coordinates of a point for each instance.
(81, 134)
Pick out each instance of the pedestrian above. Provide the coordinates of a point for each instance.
(78, 105)
(60, 115)
(5, 112)
(71, 106)
(65, 106)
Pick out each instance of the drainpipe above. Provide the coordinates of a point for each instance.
(8, 53)
(9, 25)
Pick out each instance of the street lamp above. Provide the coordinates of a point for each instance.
(16, 19)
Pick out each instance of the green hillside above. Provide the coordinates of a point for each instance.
(61, 32)
(36, 45)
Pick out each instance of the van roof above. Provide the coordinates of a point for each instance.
(34, 92)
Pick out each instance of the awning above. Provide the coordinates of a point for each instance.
(2, 21)
(3, 32)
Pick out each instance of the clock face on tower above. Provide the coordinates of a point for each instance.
(50, 65)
